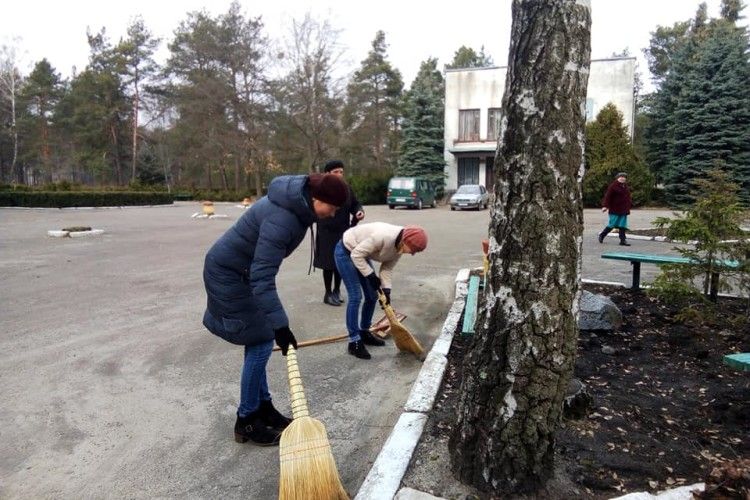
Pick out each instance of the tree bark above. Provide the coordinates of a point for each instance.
(517, 368)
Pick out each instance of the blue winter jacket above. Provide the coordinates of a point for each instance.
(240, 268)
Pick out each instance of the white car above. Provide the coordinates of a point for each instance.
(470, 196)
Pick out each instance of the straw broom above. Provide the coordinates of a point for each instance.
(404, 340)
(308, 469)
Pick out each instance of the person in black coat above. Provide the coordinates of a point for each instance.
(243, 305)
(330, 232)
(618, 201)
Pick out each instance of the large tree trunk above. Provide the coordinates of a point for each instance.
(517, 368)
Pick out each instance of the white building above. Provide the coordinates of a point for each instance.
(473, 98)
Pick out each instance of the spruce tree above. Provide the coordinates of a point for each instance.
(423, 124)
(712, 115)
(609, 151)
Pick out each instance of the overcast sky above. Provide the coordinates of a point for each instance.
(415, 29)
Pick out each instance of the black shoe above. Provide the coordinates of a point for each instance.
(358, 349)
(625, 243)
(252, 428)
(370, 339)
(601, 238)
(336, 295)
(329, 299)
(272, 417)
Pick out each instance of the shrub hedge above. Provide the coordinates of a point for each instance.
(61, 199)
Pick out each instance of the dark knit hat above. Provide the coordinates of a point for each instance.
(328, 188)
(415, 237)
(333, 165)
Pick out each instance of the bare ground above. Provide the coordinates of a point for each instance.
(665, 411)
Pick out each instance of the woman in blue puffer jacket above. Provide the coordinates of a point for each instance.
(240, 278)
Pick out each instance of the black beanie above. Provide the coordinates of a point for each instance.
(333, 165)
(329, 188)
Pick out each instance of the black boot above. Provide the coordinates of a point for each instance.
(252, 428)
(370, 339)
(337, 295)
(622, 238)
(329, 299)
(604, 233)
(272, 417)
(358, 349)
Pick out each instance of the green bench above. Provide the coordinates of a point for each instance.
(740, 361)
(636, 259)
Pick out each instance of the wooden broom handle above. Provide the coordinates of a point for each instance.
(392, 319)
(298, 401)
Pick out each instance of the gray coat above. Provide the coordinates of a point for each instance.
(240, 268)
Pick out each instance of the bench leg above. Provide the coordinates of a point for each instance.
(636, 275)
(714, 287)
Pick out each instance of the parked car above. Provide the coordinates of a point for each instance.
(470, 196)
(411, 192)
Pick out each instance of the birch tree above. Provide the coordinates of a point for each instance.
(520, 361)
(10, 81)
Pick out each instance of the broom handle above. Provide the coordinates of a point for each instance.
(387, 308)
(323, 340)
(298, 401)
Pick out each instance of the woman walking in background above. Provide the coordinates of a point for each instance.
(618, 201)
(354, 254)
(330, 232)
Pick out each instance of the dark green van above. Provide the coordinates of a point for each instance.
(411, 192)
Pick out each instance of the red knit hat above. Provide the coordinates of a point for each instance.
(415, 237)
(329, 188)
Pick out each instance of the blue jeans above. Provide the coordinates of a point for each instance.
(253, 383)
(356, 287)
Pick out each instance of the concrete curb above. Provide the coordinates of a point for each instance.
(384, 479)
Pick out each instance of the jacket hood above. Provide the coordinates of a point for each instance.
(291, 192)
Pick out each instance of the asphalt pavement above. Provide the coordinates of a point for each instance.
(112, 387)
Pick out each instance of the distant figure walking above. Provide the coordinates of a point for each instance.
(618, 201)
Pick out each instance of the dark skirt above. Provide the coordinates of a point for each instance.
(325, 243)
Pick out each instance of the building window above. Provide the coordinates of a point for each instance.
(468, 125)
(468, 171)
(493, 124)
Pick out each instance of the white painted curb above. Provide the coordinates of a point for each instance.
(384, 479)
(681, 493)
(74, 234)
(200, 215)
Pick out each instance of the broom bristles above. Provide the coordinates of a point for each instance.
(308, 469)
(404, 340)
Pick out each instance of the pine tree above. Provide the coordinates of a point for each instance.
(466, 57)
(137, 67)
(372, 112)
(423, 124)
(39, 95)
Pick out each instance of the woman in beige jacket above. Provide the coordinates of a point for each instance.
(360, 245)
